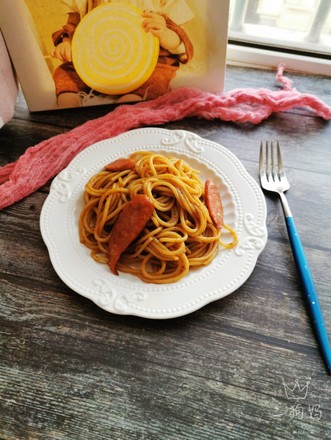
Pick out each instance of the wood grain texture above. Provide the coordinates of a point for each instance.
(69, 370)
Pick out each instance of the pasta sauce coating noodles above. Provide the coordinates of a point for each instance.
(180, 233)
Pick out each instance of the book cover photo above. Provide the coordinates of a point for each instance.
(75, 53)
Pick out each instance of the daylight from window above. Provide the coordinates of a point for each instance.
(303, 26)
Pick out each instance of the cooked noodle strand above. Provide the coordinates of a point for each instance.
(180, 233)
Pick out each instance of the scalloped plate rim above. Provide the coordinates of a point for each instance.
(118, 296)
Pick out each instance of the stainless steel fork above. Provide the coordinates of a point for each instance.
(273, 178)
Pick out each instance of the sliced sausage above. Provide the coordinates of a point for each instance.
(120, 165)
(131, 221)
(214, 203)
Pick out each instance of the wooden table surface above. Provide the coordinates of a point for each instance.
(70, 370)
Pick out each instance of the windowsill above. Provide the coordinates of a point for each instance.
(279, 37)
(261, 58)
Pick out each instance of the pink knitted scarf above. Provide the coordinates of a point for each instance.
(43, 161)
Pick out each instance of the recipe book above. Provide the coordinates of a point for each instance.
(72, 53)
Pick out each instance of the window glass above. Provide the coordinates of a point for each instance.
(298, 26)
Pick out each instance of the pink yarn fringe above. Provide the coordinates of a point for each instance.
(43, 161)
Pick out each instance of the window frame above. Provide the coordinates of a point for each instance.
(255, 52)
(238, 55)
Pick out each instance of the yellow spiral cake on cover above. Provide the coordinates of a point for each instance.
(111, 52)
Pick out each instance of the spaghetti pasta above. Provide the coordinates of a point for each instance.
(180, 233)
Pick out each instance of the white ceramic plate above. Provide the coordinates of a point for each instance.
(244, 210)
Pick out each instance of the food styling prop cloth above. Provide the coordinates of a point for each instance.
(43, 161)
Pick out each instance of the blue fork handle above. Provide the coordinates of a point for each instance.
(313, 305)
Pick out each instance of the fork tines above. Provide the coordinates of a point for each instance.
(271, 163)
(267, 158)
(272, 174)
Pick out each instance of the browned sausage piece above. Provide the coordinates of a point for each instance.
(214, 203)
(120, 165)
(131, 221)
